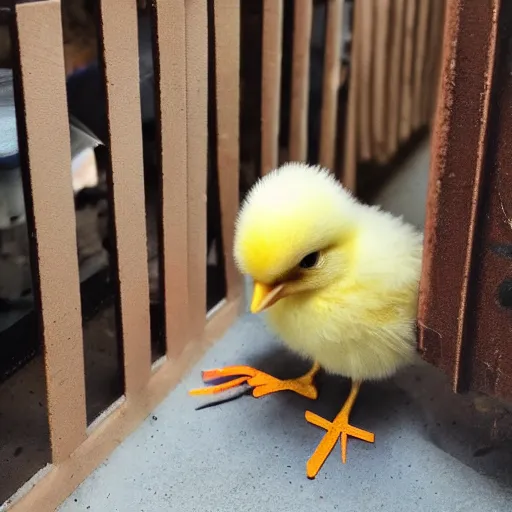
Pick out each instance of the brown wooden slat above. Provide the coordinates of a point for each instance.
(439, 55)
(436, 50)
(420, 60)
(45, 146)
(197, 139)
(59, 482)
(457, 170)
(271, 83)
(427, 68)
(366, 35)
(407, 71)
(395, 75)
(303, 18)
(380, 106)
(440, 12)
(121, 68)
(171, 108)
(331, 83)
(349, 171)
(227, 73)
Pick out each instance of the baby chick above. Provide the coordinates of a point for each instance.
(339, 280)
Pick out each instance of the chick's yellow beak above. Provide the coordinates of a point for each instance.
(265, 296)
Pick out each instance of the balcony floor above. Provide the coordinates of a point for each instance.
(434, 451)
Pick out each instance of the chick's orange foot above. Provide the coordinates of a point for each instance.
(262, 383)
(265, 384)
(337, 429)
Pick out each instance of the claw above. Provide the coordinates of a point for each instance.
(229, 371)
(219, 388)
(318, 421)
(239, 374)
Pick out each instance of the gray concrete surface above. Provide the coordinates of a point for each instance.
(434, 451)
(406, 192)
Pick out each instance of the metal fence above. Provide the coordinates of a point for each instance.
(392, 86)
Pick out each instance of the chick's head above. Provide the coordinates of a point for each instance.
(294, 233)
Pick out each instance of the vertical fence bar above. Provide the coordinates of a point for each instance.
(438, 18)
(349, 171)
(227, 74)
(380, 107)
(331, 83)
(121, 71)
(196, 30)
(437, 75)
(420, 59)
(44, 141)
(438, 55)
(302, 25)
(271, 83)
(395, 82)
(171, 109)
(407, 70)
(428, 69)
(366, 34)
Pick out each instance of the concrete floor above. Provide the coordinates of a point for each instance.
(405, 194)
(434, 451)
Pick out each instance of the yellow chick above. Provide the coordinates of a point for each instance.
(339, 280)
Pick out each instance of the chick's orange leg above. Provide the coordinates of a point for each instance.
(264, 384)
(337, 429)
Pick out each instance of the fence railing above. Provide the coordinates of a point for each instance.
(392, 84)
(392, 75)
(182, 90)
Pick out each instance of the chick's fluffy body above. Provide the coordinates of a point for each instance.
(354, 313)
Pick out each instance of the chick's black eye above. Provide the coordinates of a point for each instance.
(310, 260)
